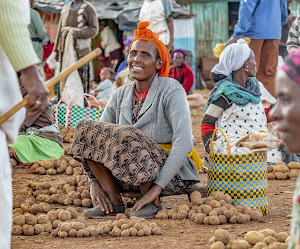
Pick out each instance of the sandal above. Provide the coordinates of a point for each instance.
(98, 213)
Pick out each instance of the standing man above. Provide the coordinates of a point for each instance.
(37, 35)
(16, 54)
(159, 13)
(261, 21)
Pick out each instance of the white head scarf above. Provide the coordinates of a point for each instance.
(232, 58)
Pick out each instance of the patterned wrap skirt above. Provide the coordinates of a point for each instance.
(130, 155)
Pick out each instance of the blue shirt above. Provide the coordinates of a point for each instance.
(261, 19)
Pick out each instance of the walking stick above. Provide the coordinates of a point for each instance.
(50, 83)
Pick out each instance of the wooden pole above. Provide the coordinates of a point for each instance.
(53, 81)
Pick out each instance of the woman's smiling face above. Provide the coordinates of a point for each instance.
(143, 60)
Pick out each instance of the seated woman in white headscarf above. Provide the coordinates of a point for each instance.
(234, 105)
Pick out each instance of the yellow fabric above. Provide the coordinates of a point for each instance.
(218, 49)
(193, 155)
(14, 36)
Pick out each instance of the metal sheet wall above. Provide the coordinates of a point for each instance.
(211, 26)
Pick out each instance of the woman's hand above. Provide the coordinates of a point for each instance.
(151, 196)
(99, 197)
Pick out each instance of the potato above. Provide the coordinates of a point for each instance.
(63, 234)
(281, 237)
(199, 218)
(260, 245)
(228, 214)
(69, 170)
(80, 233)
(52, 215)
(61, 169)
(182, 214)
(269, 239)
(190, 214)
(256, 215)
(233, 219)
(42, 219)
(195, 194)
(271, 176)
(40, 171)
(124, 227)
(288, 239)
(48, 227)
(254, 237)
(278, 245)
(73, 212)
(157, 231)
(218, 195)
(184, 207)
(86, 202)
(68, 201)
(56, 223)
(28, 230)
(281, 168)
(85, 194)
(208, 199)
(293, 173)
(51, 172)
(214, 220)
(33, 168)
(147, 231)
(241, 219)
(268, 232)
(77, 202)
(223, 236)
(281, 176)
(228, 199)
(215, 204)
(30, 219)
(138, 226)
(197, 201)
(19, 220)
(65, 227)
(240, 244)
(72, 233)
(64, 215)
(223, 219)
(141, 233)
(206, 209)
(293, 165)
(17, 211)
(48, 199)
(212, 240)
(17, 230)
(38, 229)
(217, 245)
(270, 169)
(77, 171)
(77, 225)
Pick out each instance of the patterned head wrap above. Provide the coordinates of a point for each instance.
(143, 33)
(292, 66)
(179, 51)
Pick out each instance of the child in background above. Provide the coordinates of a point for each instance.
(105, 88)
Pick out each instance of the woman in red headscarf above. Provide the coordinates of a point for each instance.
(124, 150)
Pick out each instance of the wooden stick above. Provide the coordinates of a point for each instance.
(52, 82)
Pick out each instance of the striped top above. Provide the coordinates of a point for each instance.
(293, 41)
(14, 36)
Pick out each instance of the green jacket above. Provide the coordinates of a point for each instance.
(36, 30)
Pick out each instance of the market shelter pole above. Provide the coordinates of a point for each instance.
(52, 82)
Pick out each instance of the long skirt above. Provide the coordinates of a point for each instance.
(32, 148)
(131, 156)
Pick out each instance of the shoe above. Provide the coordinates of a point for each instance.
(97, 212)
(148, 211)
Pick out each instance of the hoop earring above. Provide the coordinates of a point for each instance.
(246, 69)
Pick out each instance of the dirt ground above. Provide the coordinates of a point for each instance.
(177, 234)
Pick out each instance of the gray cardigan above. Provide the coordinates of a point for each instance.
(165, 118)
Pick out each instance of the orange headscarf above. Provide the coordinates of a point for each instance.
(143, 33)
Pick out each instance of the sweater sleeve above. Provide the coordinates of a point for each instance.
(109, 114)
(213, 112)
(246, 12)
(14, 36)
(188, 80)
(178, 113)
(293, 38)
(92, 27)
(38, 25)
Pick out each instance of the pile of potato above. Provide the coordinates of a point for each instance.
(57, 166)
(67, 133)
(74, 192)
(213, 210)
(29, 224)
(281, 171)
(264, 239)
(131, 227)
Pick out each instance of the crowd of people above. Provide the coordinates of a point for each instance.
(143, 141)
